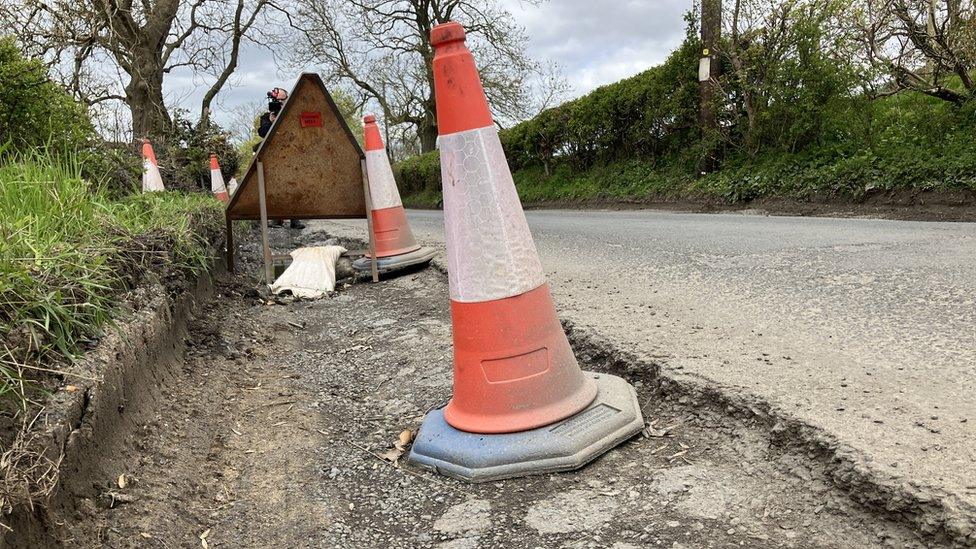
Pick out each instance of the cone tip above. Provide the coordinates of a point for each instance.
(370, 118)
(446, 32)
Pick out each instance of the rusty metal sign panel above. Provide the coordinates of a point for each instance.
(312, 163)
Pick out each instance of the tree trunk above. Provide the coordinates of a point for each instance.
(144, 95)
(428, 136)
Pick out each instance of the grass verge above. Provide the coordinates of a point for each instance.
(67, 251)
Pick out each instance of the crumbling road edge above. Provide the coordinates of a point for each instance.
(940, 517)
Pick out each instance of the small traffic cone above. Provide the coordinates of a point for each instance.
(217, 180)
(232, 186)
(396, 246)
(521, 404)
(151, 180)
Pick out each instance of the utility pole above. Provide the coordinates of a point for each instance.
(708, 73)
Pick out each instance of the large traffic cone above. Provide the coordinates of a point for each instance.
(151, 180)
(521, 404)
(217, 180)
(396, 247)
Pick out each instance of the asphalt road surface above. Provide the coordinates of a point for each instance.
(864, 328)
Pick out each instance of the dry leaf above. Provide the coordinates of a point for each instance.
(399, 447)
(123, 482)
(71, 388)
(146, 535)
(405, 438)
(203, 539)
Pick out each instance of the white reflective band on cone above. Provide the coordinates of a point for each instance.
(151, 180)
(490, 252)
(217, 182)
(382, 187)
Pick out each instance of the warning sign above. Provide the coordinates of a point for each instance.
(309, 166)
(311, 120)
(312, 164)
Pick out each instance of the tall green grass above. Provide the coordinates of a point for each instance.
(67, 251)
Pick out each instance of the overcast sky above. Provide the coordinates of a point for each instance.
(594, 42)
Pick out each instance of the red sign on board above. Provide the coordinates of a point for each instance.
(311, 120)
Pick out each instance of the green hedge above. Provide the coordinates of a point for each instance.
(816, 135)
(34, 111)
(650, 115)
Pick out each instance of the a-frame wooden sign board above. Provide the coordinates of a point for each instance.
(309, 166)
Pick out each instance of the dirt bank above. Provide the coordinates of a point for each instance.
(270, 430)
(95, 407)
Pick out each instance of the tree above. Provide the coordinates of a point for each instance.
(381, 48)
(93, 45)
(924, 45)
(786, 61)
(34, 111)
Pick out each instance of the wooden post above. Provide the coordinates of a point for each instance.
(263, 204)
(369, 222)
(230, 242)
(708, 73)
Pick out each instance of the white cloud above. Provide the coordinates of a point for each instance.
(596, 43)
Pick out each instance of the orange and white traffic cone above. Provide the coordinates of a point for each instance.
(521, 404)
(396, 247)
(151, 180)
(217, 180)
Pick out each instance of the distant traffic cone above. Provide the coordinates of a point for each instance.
(217, 180)
(396, 246)
(151, 180)
(232, 186)
(521, 404)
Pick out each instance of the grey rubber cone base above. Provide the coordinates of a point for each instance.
(613, 417)
(395, 262)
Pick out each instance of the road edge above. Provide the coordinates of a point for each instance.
(937, 515)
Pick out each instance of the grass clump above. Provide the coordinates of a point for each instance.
(66, 253)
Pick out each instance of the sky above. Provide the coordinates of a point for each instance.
(594, 42)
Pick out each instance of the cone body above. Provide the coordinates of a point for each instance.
(151, 180)
(513, 367)
(217, 180)
(391, 231)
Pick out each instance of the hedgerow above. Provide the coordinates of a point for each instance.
(816, 135)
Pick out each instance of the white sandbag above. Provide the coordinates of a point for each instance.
(312, 272)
